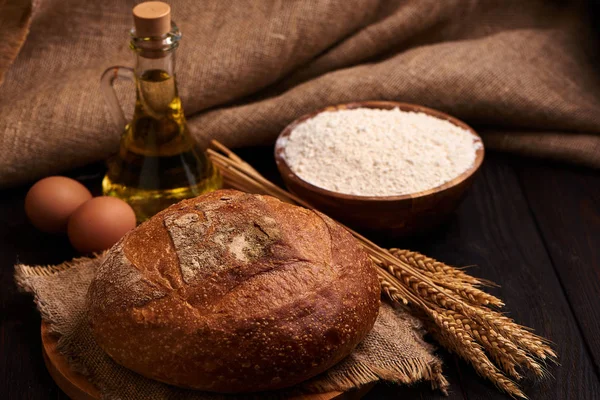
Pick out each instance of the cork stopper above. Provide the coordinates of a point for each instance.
(152, 18)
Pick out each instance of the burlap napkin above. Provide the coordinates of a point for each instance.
(394, 350)
(247, 68)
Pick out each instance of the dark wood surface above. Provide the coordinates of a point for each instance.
(530, 226)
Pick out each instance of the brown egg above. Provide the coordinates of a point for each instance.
(51, 201)
(100, 223)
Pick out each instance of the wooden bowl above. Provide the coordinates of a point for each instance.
(396, 215)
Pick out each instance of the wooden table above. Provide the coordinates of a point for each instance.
(530, 226)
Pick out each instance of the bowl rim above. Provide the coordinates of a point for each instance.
(285, 169)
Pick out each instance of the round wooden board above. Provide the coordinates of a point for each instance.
(77, 387)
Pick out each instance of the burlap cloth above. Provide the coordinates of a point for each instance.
(394, 350)
(520, 71)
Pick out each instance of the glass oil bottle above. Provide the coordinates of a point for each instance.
(158, 163)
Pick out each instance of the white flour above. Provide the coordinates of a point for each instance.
(370, 152)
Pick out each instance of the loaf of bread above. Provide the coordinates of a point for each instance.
(231, 292)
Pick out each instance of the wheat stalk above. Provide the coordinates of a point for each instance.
(442, 270)
(455, 310)
(458, 287)
(455, 338)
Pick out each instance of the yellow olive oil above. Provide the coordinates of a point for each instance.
(158, 163)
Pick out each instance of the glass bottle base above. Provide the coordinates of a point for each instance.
(146, 203)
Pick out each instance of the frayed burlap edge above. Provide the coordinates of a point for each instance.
(402, 372)
(22, 271)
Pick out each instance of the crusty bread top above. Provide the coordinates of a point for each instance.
(255, 293)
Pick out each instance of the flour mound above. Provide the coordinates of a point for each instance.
(374, 152)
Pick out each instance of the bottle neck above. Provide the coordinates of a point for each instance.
(155, 74)
(145, 65)
(155, 53)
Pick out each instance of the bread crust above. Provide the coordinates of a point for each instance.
(231, 292)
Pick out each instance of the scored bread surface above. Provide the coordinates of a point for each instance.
(232, 292)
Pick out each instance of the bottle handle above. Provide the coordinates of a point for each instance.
(110, 96)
